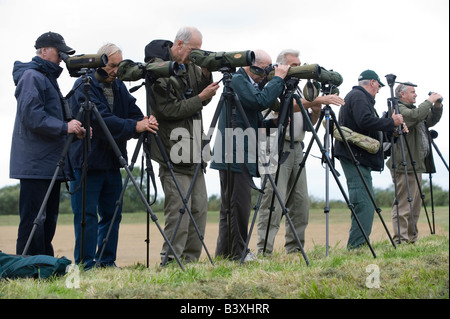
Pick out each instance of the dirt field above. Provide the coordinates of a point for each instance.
(133, 249)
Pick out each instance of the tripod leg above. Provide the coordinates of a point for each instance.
(282, 154)
(286, 214)
(37, 220)
(419, 185)
(60, 166)
(123, 163)
(271, 209)
(335, 175)
(327, 181)
(432, 202)
(257, 206)
(394, 174)
(356, 163)
(401, 140)
(439, 153)
(119, 201)
(184, 199)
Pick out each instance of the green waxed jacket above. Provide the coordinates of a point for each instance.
(179, 116)
(414, 117)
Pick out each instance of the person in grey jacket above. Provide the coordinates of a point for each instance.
(418, 119)
(40, 132)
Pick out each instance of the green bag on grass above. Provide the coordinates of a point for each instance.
(39, 266)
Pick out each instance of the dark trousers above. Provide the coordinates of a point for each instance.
(241, 202)
(361, 201)
(32, 194)
(103, 189)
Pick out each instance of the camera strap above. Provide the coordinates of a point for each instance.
(67, 112)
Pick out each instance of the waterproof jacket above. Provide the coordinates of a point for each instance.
(40, 131)
(417, 119)
(121, 123)
(178, 110)
(253, 102)
(359, 114)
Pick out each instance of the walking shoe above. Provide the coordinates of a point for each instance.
(250, 257)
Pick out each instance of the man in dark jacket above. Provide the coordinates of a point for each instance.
(178, 109)
(359, 115)
(124, 120)
(418, 119)
(244, 84)
(40, 132)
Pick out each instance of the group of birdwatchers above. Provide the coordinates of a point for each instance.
(42, 129)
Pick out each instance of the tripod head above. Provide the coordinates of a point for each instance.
(227, 72)
(391, 81)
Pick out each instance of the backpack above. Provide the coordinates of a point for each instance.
(39, 266)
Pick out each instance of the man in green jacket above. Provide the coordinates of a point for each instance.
(178, 109)
(417, 119)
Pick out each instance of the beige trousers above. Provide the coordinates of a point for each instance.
(405, 222)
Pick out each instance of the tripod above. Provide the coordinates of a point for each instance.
(433, 134)
(330, 119)
(328, 113)
(146, 141)
(286, 113)
(88, 108)
(393, 105)
(230, 101)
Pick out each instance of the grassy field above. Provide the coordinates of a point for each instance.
(418, 271)
(336, 215)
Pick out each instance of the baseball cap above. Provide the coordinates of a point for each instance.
(52, 39)
(369, 75)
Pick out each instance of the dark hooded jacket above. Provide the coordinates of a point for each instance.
(121, 123)
(40, 131)
(359, 114)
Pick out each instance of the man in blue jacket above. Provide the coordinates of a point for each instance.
(39, 135)
(124, 120)
(244, 84)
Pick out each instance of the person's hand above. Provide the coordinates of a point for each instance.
(146, 124)
(75, 127)
(405, 129)
(398, 119)
(281, 70)
(82, 133)
(209, 91)
(434, 98)
(153, 124)
(332, 99)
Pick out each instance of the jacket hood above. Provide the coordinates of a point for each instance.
(49, 68)
(158, 49)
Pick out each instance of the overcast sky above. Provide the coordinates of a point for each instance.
(406, 38)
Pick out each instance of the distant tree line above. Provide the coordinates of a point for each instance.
(9, 198)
